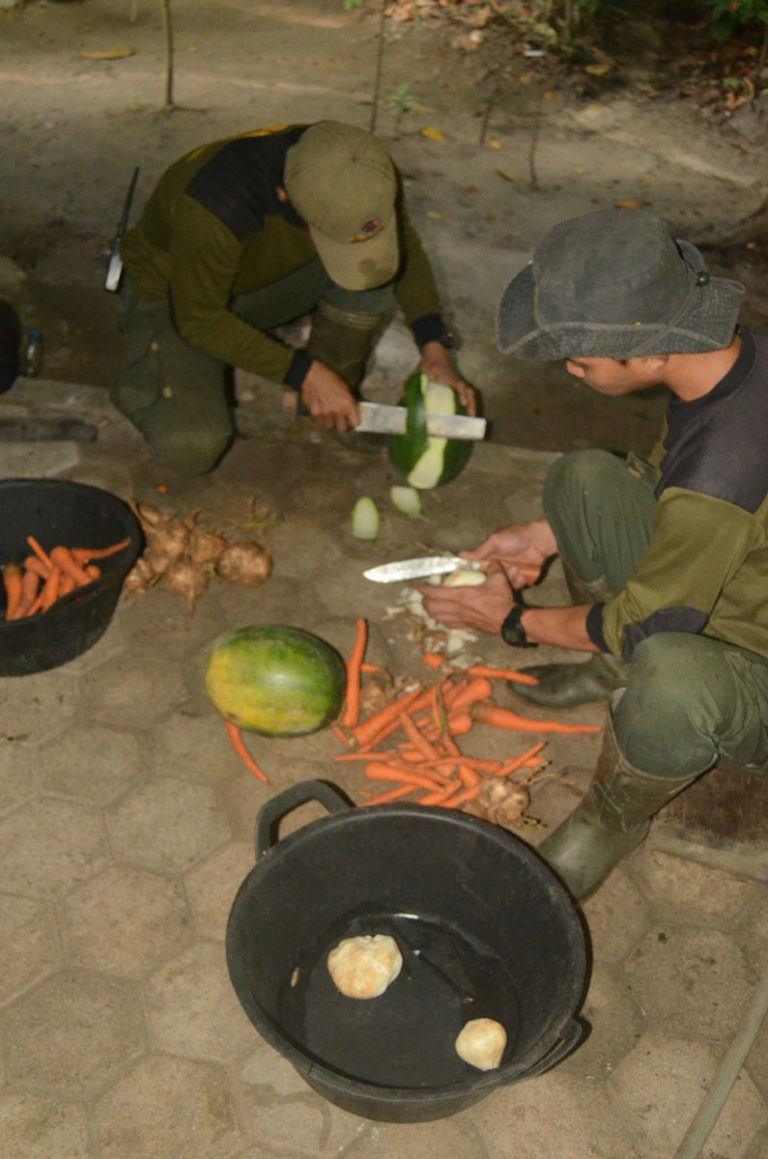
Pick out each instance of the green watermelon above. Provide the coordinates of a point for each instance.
(427, 462)
(276, 680)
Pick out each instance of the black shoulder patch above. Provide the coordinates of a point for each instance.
(680, 619)
(238, 184)
(718, 444)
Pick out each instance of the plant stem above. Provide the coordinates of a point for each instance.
(168, 54)
(379, 63)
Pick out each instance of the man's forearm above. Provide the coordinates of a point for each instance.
(563, 627)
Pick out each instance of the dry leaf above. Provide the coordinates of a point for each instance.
(599, 69)
(506, 176)
(107, 53)
(433, 134)
(495, 144)
(626, 204)
(433, 213)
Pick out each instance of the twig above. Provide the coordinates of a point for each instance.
(168, 54)
(535, 138)
(379, 65)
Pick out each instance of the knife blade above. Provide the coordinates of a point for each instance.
(115, 264)
(425, 565)
(391, 420)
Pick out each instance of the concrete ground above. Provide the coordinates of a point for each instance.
(126, 827)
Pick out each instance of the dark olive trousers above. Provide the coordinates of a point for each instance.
(690, 702)
(180, 397)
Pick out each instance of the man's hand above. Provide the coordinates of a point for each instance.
(482, 607)
(329, 399)
(523, 548)
(435, 362)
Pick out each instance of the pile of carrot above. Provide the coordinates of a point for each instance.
(423, 725)
(34, 586)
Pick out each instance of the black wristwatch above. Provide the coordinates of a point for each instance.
(513, 632)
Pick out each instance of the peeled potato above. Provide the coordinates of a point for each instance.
(481, 1043)
(464, 578)
(363, 967)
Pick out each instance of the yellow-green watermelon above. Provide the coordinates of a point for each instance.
(425, 461)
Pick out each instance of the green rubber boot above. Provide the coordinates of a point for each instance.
(582, 682)
(611, 821)
(343, 340)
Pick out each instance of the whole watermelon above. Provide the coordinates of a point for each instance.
(428, 462)
(276, 680)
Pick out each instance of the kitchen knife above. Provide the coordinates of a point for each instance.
(408, 569)
(391, 420)
(115, 264)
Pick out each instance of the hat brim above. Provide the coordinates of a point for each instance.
(360, 265)
(709, 325)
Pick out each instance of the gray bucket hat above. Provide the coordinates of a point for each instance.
(615, 284)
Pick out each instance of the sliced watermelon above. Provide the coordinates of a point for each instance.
(428, 462)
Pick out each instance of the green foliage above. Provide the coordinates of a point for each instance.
(350, 4)
(730, 15)
(402, 100)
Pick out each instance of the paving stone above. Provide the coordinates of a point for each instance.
(614, 1023)
(38, 460)
(752, 932)
(37, 706)
(756, 1063)
(48, 846)
(194, 748)
(697, 890)
(167, 825)
(284, 1112)
(37, 1128)
(457, 1137)
(617, 917)
(124, 921)
(555, 1116)
(242, 797)
(168, 1108)
(29, 943)
(694, 981)
(106, 650)
(659, 1088)
(211, 887)
(18, 765)
(136, 693)
(92, 763)
(192, 1008)
(74, 1033)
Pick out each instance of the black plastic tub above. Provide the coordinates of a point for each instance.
(60, 511)
(485, 928)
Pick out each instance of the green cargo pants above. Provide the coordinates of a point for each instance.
(180, 397)
(691, 702)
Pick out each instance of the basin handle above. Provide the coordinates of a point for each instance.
(271, 814)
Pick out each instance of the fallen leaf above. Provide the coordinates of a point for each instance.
(495, 144)
(433, 213)
(626, 204)
(598, 69)
(506, 176)
(578, 169)
(433, 134)
(548, 96)
(107, 53)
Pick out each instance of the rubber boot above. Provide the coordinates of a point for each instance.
(343, 340)
(613, 818)
(582, 682)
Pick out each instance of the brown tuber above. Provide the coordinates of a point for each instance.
(205, 546)
(187, 580)
(244, 562)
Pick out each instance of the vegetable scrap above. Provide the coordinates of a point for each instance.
(182, 555)
(34, 586)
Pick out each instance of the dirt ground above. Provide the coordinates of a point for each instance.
(516, 156)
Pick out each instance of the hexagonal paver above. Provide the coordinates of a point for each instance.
(555, 1116)
(18, 765)
(614, 1022)
(660, 1086)
(694, 981)
(443, 1137)
(168, 1107)
(36, 1128)
(124, 921)
(211, 887)
(192, 1007)
(74, 1033)
(29, 943)
(37, 706)
(617, 916)
(167, 825)
(752, 932)
(48, 846)
(135, 693)
(194, 748)
(698, 890)
(91, 763)
(284, 1112)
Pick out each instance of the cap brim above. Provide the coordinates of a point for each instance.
(360, 265)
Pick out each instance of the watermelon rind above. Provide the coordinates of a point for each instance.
(276, 680)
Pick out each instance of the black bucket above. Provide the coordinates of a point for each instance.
(485, 928)
(60, 511)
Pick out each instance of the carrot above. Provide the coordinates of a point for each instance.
(351, 714)
(30, 584)
(48, 594)
(482, 764)
(468, 776)
(369, 755)
(480, 688)
(375, 725)
(468, 793)
(432, 660)
(39, 551)
(34, 563)
(459, 724)
(503, 718)
(417, 738)
(378, 772)
(66, 585)
(390, 795)
(502, 674)
(370, 667)
(62, 558)
(85, 555)
(344, 737)
(12, 582)
(93, 571)
(236, 736)
(451, 689)
(438, 798)
(450, 746)
(511, 766)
